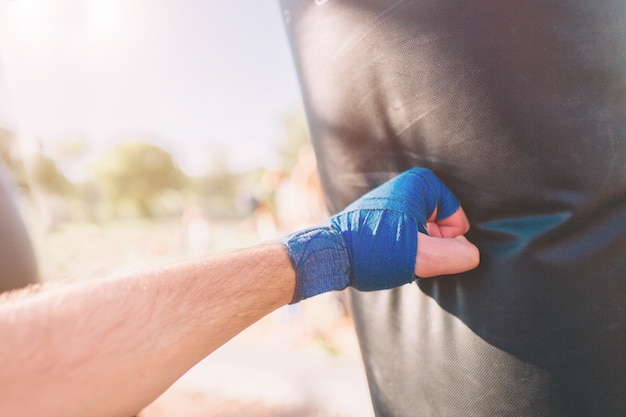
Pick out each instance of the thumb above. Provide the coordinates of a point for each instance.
(442, 256)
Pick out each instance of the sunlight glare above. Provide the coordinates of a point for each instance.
(46, 21)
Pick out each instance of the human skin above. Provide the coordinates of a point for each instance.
(109, 347)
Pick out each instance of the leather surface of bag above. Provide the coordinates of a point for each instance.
(520, 108)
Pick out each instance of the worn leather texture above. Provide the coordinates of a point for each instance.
(520, 108)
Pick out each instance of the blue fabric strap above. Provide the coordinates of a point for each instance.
(372, 244)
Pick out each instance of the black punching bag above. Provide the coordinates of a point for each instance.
(520, 108)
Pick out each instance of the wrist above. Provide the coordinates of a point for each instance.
(320, 259)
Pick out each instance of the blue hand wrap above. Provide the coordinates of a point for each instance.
(371, 244)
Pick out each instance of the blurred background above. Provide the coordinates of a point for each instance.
(140, 132)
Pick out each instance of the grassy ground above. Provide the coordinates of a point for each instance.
(190, 404)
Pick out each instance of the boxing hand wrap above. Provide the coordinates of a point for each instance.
(371, 244)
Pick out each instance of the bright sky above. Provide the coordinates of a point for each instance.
(190, 73)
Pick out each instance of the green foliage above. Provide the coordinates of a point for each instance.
(72, 147)
(46, 175)
(138, 173)
(10, 157)
(42, 169)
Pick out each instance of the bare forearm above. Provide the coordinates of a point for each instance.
(107, 348)
(110, 348)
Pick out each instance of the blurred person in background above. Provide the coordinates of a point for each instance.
(196, 229)
(299, 198)
(519, 108)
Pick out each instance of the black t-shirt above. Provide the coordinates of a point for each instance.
(520, 108)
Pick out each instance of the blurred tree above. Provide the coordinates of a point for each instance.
(138, 173)
(48, 177)
(10, 155)
(72, 154)
(73, 147)
(219, 188)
